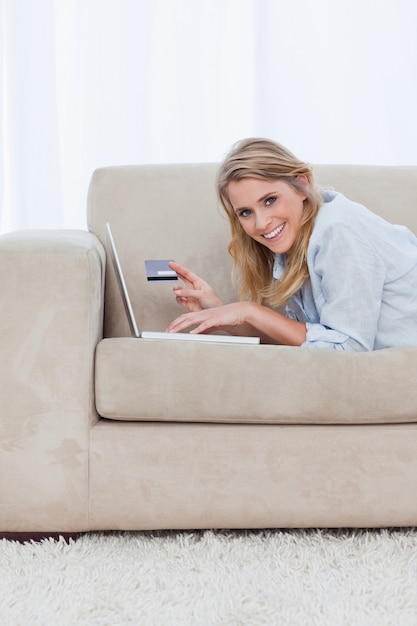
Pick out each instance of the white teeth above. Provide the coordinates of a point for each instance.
(274, 232)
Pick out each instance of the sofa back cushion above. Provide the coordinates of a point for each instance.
(172, 212)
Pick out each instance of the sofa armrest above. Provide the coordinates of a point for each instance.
(51, 317)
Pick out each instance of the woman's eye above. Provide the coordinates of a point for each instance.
(245, 213)
(270, 200)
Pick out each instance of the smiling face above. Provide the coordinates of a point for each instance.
(269, 211)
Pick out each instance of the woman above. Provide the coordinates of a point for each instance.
(347, 278)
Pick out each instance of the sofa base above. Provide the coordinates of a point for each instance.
(156, 476)
(29, 537)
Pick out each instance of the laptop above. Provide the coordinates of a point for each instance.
(154, 334)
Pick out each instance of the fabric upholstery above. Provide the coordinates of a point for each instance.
(51, 311)
(140, 379)
(154, 476)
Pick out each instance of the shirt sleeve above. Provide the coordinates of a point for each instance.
(347, 277)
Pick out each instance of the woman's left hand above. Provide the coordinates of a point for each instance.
(209, 320)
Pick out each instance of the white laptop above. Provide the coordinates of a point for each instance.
(160, 335)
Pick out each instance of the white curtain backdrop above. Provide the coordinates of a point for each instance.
(91, 83)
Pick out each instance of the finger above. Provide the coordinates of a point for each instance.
(203, 329)
(188, 293)
(180, 323)
(198, 320)
(185, 304)
(206, 326)
(179, 294)
(184, 273)
(189, 320)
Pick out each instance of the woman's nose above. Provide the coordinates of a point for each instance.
(263, 220)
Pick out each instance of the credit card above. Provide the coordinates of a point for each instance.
(159, 271)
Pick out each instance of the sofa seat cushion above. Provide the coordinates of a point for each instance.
(153, 380)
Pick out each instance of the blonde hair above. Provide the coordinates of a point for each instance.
(266, 160)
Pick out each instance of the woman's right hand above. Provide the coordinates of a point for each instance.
(197, 294)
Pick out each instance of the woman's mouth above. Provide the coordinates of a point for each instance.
(275, 232)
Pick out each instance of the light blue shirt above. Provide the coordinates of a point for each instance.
(362, 290)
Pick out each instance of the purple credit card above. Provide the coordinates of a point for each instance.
(159, 271)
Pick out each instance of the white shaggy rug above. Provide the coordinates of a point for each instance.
(213, 578)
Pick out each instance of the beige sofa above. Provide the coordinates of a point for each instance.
(122, 433)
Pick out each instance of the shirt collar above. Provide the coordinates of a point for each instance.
(279, 263)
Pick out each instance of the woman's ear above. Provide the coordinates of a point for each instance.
(303, 183)
(303, 180)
